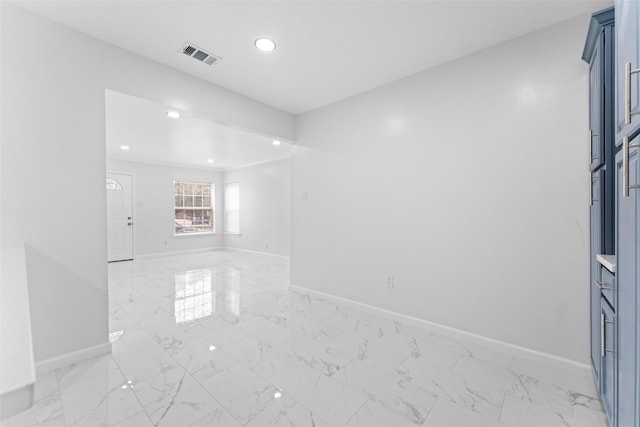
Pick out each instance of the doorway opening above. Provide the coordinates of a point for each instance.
(181, 188)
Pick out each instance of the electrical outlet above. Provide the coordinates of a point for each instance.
(304, 197)
(391, 282)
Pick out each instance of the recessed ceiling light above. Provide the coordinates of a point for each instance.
(125, 147)
(210, 160)
(173, 114)
(276, 142)
(277, 394)
(212, 347)
(265, 45)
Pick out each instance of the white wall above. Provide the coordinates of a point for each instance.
(468, 182)
(265, 207)
(153, 209)
(53, 162)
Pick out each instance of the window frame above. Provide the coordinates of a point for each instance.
(226, 210)
(211, 207)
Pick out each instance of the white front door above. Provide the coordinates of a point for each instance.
(119, 217)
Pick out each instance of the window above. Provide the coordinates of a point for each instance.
(112, 184)
(232, 207)
(193, 207)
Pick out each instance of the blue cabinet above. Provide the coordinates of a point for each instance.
(599, 53)
(613, 53)
(627, 141)
(627, 279)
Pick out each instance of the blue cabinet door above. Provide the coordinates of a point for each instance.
(596, 359)
(627, 285)
(627, 52)
(596, 248)
(596, 217)
(608, 350)
(596, 94)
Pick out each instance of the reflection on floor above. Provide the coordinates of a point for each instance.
(218, 339)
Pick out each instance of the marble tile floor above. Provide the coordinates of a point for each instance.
(218, 339)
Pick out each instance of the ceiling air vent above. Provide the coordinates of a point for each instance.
(201, 55)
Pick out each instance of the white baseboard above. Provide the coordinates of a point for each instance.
(183, 252)
(16, 401)
(64, 360)
(203, 250)
(496, 345)
(228, 248)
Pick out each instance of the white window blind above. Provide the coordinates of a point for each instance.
(232, 207)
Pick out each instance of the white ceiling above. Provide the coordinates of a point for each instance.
(190, 140)
(327, 50)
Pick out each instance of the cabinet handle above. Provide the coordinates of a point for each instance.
(591, 146)
(593, 178)
(625, 166)
(591, 135)
(627, 92)
(603, 286)
(602, 349)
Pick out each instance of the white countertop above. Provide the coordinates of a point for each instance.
(17, 369)
(608, 261)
